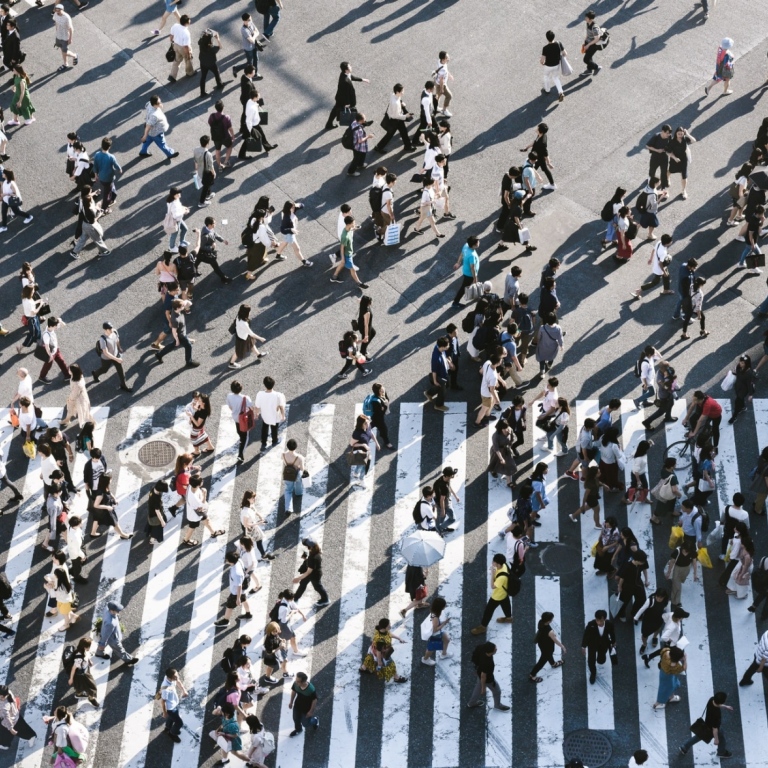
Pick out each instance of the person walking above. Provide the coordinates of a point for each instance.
(692, 309)
(303, 703)
(665, 379)
(744, 386)
(156, 519)
(379, 659)
(293, 473)
(648, 207)
(438, 378)
(171, 9)
(500, 594)
(282, 612)
(209, 46)
(345, 98)
(270, 405)
(239, 404)
(311, 572)
(111, 354)
(245, 338)
(21, 105)
(758, 662)
(205, 171)
(206, 250)
(271, 13)
(439, 639)
(679, 157)
(107, 168)
(482, 659)
(155, 126)
(592, 44)
(50, 344)
(254, 138)
(64, 33)
(672, 664)
(469, 261)
(395, 121)
(222, 133)
(181, 41)
(709, 727)
(551, 55)
(196, 513)
(111, 634)
(760, 588)
(170, 699)
(441, 76)
(12, 200)
(546, 639)
(250, 44)
(651, 613)
(238, 590)
(289, 229)
(444, 493)
(11, 722)
(724, 69)
(658, 146)
(360, 141)
(347, 252)
(80, 675)
(660, 259)
(179, 331)
(598, 641)
(90, 214)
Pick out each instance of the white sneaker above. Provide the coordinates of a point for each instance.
(428, 662)
(260, 691)
(300, 654)
(28, 219)
(740, 238)
(550, 186)
(755, 271)
(447, 113)
(448, 655)
(3, 229)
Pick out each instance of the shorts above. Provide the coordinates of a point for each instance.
(592, 499)
(348, 262)
(486, 402)
(231, 601)
(170, 7)
(435, 643)
(63, 44)
(226, 142)
(427, 212)
(194, 525)
(64, 608)
(186, 285)
(289, 238)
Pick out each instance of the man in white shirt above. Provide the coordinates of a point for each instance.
(237, 591)
(427, 509)
(396, 119)
(758, 663)
(51, 345)
(441, 77)
(235, 400)
(488, 394)
(25, 386)
(48, 465)
(197, 511)
(182, 47)
(661, 260)
(732, 514)
(75, 549)
(270, 405)
(64, 32)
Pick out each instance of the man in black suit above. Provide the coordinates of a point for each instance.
(345, 93)
(247, 87)
(599, 638)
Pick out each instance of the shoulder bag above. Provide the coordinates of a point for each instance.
(700, 729)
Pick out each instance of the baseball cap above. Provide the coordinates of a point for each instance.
(116, 607)
(108, 327)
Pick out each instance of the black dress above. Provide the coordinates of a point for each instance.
(361, 329)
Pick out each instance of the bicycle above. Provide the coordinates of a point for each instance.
(682, 452)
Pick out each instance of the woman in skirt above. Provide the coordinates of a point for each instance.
(198, 415)
(261, 241)
(286, 610)
(275, 654)
(63, 594)
(378, 660)
(80, 677)
(612, 459)
(104, 512)
(245, 338)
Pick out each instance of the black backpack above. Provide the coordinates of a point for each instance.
(68, 657)
(704, 515)
(98, 344)
(607, 213)
(348, 138)
(227, 663)
(632, 230)
(185, 267)
(375, 198)
(517, 567)
(639, 367)
(274, 614)
(417, 516)
(218, 132)
(642, 202)
(6, 592)
(468, 323)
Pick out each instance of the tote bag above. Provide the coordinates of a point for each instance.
(565, 67)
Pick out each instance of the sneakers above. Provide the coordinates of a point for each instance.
(336, 280)
(447, 113)
(364, 286)
(234, 365)
(428, 662)
(572, 475)
(322, 603)
(74, 255)
(306, 263)
(193, 364)
(502, 707)
(221, 623)
(28, 219)
(550, 186)
(367, 372)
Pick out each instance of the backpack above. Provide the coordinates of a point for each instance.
(639, 367)
(468, 323)
(79, 737)
(98, 344)
(220, 698)
(417, 516)
(262, 6)
(68, 658)
(218, 132)
(348, 138)
(642, 202)
(227, 663)
(185, 267)
(734, 191)
(274, 613)
(368, 405)
(517, 567)
(175, 484)
(290, 472)
(704, 515)
(607, 213)
(632, 230)
(343, 348)
(6, 591)
(523, 319)
(375, 198)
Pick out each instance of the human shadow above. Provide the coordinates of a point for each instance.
(655, 44)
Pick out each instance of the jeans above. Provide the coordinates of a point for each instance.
(95, 233)
(271, 17)
(678, 306)
(649, 394)
(266, 429)
(492, 687)
(552, 76)
(173, 723)
(181, 234)
(358, 161)
(449, 519)
(314, 580)
(15, 208)
(160, 141)
(293, 488)
(117, 649)
(207, 257)
(558, 433)
(750, 250)
(721, 747)
(59, 360)
(33, 331)
(183, 342)
(106, 364)
(300, 720)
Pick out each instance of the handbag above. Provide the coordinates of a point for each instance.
(565, 67)
(392, 235)
(756, 260)
(170, 54)
(524, 235)
(45, 309)
(345, 117)
(196, 180)
(663, 489)
(14, 418)
(30, 449)
(170, 225)
(253, 143)
(473, 292)
(420, 593)
(357, 458)
(246, 419)
(728, 381)
(701, 730)
(615, 604)
(41, 354)
(263, 117)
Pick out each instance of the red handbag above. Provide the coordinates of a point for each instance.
(246, 419)
(24, 320)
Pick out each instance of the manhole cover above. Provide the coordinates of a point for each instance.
(561, 559)
(591, 747)
(157, 454)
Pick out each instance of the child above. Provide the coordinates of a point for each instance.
(344, 211)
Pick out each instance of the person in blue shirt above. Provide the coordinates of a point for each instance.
(106, 167)
(438, 377)
(469, 262)
(605, 421)
(685, 280)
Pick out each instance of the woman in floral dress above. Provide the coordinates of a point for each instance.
(379, 658)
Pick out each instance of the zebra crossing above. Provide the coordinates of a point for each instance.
(175, 594)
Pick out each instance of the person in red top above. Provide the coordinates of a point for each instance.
(710, 410)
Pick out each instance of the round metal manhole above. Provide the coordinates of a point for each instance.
(157, 454)
(561, 559)
(591, 747)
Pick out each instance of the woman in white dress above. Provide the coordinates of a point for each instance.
(743, 550)
(78, 403)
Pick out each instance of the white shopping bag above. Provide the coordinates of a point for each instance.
(196, 180)
(525, 235)
(392, 235)
(728, 381)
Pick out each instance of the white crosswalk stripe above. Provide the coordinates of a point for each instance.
(451, 721)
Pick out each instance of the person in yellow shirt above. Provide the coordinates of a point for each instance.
(500, 577)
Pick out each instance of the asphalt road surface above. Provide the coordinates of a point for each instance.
(654, 71)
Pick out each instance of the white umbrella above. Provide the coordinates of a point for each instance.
(423, 548)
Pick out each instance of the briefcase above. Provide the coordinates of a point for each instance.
(345, 118)
(253, 144)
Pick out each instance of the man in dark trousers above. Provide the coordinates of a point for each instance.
(685, 279)
(658, 146)
(247, 86)
(345, 93)
(599, 639)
